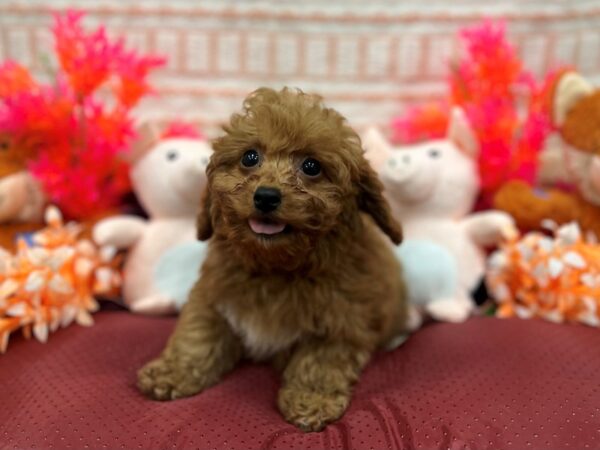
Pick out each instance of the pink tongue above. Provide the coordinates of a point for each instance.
(260, 227)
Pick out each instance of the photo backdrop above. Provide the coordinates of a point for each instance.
(368, 58)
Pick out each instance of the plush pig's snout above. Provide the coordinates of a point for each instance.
(189, 181)
(196, 167)
(409, 176)
(401, 168)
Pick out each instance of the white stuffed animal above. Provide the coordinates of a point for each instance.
(431, 188)
(165, 256)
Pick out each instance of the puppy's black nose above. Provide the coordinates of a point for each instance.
(267, 199)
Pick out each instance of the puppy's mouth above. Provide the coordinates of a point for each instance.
(266, 226)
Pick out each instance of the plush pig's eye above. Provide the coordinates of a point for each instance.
(172, 155)
(434, 153)
(250, 158)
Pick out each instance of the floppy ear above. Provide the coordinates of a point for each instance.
(377, 149)
(204, 223)
(461, 133)
(372, 201)
(570, 89)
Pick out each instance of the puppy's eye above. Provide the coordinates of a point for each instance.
(172, 155)
(311, 167)
(250, 158)
(434, 153)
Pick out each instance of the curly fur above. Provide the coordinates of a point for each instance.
(319, 299)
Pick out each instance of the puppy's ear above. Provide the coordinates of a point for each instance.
(204, 223)
(372, 201)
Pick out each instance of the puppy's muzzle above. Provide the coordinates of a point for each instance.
(267, 199)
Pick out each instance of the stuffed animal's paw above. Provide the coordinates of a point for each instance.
(488, 228)
(518, 199)
(168, 379)
(414, 318)
(501, 225)
(153, 305)
(449, 310)
(103, 232)
(121, 231)
(310, 410)
(530, 207)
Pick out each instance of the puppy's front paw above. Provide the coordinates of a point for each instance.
(311, 411)
(167, 379)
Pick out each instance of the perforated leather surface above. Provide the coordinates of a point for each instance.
(487, 383)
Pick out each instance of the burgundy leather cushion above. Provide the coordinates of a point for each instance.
(485, 383)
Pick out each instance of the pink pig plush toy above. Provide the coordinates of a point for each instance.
(431, 188)
(164, 254)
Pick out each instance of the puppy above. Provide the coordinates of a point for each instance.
(298, 270)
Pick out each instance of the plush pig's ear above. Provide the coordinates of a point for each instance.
(570, 89)
(148, 135)
(204, 223)
(461, 133)
(377, 149)
(372, 201)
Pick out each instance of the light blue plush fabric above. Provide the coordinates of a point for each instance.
(430, 270)
(178, 269)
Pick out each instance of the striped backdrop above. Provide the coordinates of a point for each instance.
(369, 58)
